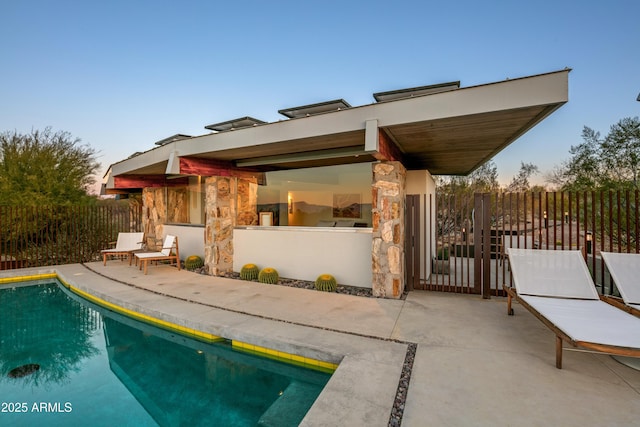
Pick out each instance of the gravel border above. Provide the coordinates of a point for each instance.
(307, 284)
(395, 419)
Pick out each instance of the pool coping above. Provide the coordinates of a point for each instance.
(362, 388)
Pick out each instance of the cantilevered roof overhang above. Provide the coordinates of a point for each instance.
(451, 132)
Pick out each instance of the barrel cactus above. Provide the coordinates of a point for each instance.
(192, 262)
(249, 272)
(268, 275)
(326, 283)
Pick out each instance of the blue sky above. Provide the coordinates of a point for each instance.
(121, 75)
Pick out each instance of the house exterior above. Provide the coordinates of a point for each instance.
(323, 191)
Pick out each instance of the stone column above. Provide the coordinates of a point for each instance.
(229, 201)
(154, 216)
(388, 204)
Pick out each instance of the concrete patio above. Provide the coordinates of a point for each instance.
(474, 365)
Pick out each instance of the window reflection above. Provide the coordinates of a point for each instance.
(325, 196)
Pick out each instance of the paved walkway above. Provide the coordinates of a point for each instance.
(474, 365)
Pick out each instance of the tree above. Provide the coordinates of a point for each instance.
(520, 182)
(612, 162)
(45, 168)
(482, 180)
(620, 153)
(455, 196)
(602, 167)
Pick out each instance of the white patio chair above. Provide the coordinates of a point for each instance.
(126, 245)
(169, 252)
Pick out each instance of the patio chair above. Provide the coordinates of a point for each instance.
(556, 287)
(126, 245)
(625, 272)
(169, 252)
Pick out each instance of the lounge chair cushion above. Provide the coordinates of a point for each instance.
(624, 269)
(127, 242)
(167, 247)
(562, 275)
(589, 321)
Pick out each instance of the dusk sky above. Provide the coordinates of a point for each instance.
(121, 75)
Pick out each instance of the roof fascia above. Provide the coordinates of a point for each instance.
(542, 89)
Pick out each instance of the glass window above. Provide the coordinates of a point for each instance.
(326, 196)
(185, 205)
(196, 200)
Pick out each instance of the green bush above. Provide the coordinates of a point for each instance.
(326, 283)
(192, 262)
(268, 275)
(249, 272)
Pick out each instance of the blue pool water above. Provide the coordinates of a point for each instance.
(100, 368)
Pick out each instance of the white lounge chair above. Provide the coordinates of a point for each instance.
(169, 252)
(126, 244)
(625, 271)
(515, 241)
(556, 287)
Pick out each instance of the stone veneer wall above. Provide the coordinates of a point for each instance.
(160, 206)
(229, 202)
(154, 215)
(388, 205)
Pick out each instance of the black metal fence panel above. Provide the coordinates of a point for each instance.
(52, 235)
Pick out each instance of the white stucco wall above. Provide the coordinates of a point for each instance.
(190, 239)
(306, 252)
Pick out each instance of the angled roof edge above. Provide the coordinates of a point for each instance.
(239, 123)
(312, 109)
(415, 91)
(173, 138)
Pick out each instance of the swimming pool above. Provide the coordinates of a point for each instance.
(96, 367)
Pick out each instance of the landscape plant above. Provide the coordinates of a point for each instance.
(268, 275)
(249, 272)
(326, 283)
(193, 262)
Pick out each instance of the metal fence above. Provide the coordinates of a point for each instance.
(51, 235)
(469, 233)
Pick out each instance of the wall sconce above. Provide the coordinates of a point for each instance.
(290, 203)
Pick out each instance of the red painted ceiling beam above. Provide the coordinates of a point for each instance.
(146, 181)
(211, 167)
(387, 149)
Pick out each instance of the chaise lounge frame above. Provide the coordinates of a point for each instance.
(597, 326)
